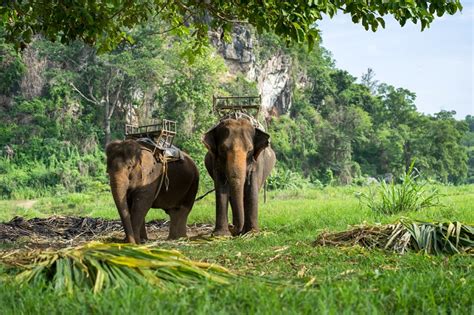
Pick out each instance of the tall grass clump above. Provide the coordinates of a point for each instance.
(411, 194)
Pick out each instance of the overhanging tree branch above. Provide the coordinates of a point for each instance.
(93, 101)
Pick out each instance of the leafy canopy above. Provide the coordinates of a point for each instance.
(107, 23)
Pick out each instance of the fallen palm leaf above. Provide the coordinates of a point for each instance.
(429, 237)
(97, 266)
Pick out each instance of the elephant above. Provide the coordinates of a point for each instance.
(239, 159)
(135, 176)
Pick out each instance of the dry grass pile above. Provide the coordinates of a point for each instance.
(405, 235)
(63, 231)
(97, 266)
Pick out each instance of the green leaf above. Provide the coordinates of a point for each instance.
(381, 21)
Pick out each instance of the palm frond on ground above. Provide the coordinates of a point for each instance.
(405, 235)
(98, 265)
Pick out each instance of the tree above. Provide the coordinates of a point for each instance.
(343, 129)
(398, 104)
(368, 80)
(11, 70)
(106, 23)
(442, 156)
(470, 122)
(468, 143)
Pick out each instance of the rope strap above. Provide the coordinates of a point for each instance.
(164, 175)
(199, 198)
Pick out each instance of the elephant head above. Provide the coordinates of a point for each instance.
(235, 145)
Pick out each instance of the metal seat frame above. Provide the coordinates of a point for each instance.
(161, 133)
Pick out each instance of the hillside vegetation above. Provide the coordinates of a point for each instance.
(60, 104)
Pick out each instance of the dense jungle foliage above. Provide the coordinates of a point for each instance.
(60, 104)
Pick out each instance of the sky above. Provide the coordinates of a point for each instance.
(436, 64)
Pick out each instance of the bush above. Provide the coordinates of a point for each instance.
(286, 179)
(410, 195)
(67, 171)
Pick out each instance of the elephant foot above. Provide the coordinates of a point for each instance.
(251, 231)
(175, 237)
(128, 239)
(221, 232)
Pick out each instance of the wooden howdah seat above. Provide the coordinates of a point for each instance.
(236, 107)
(157, 138)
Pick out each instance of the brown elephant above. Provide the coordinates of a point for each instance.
(135, 176)
(239, 160)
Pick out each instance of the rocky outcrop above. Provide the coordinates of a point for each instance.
(275, 84)
(273, 76)
(239, 53)
(33, 80)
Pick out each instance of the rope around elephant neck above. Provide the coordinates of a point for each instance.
(164, 175)
(164, 170)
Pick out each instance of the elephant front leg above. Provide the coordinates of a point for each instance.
(140, 206)
(127, 225)
(251, 205)
(124, 207)
(222, 202)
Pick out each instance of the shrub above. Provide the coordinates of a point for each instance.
(410, 195)
(286, 179)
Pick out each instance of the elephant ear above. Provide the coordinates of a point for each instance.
(209, 140)
(260, 142)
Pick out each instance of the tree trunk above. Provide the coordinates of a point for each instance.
(107, 130)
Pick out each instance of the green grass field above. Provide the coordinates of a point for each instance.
(340, 280)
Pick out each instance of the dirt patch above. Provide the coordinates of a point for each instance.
(27, 204)
(63, 231)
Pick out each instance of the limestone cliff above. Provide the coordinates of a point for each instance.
(272, 75)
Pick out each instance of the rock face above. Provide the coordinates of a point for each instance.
(273, 76)
(275, 85)
(238, 54)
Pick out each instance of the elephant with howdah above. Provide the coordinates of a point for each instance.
(239, 160)
(135, 177)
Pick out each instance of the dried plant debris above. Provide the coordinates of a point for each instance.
(405, 235)
(97, 265)
(62, 231)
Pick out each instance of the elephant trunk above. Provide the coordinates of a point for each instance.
(119, 184)
(236, 175)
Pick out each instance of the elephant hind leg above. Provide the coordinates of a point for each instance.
(178, 219)
(179, 215)
(251, 207)
(143, 234)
